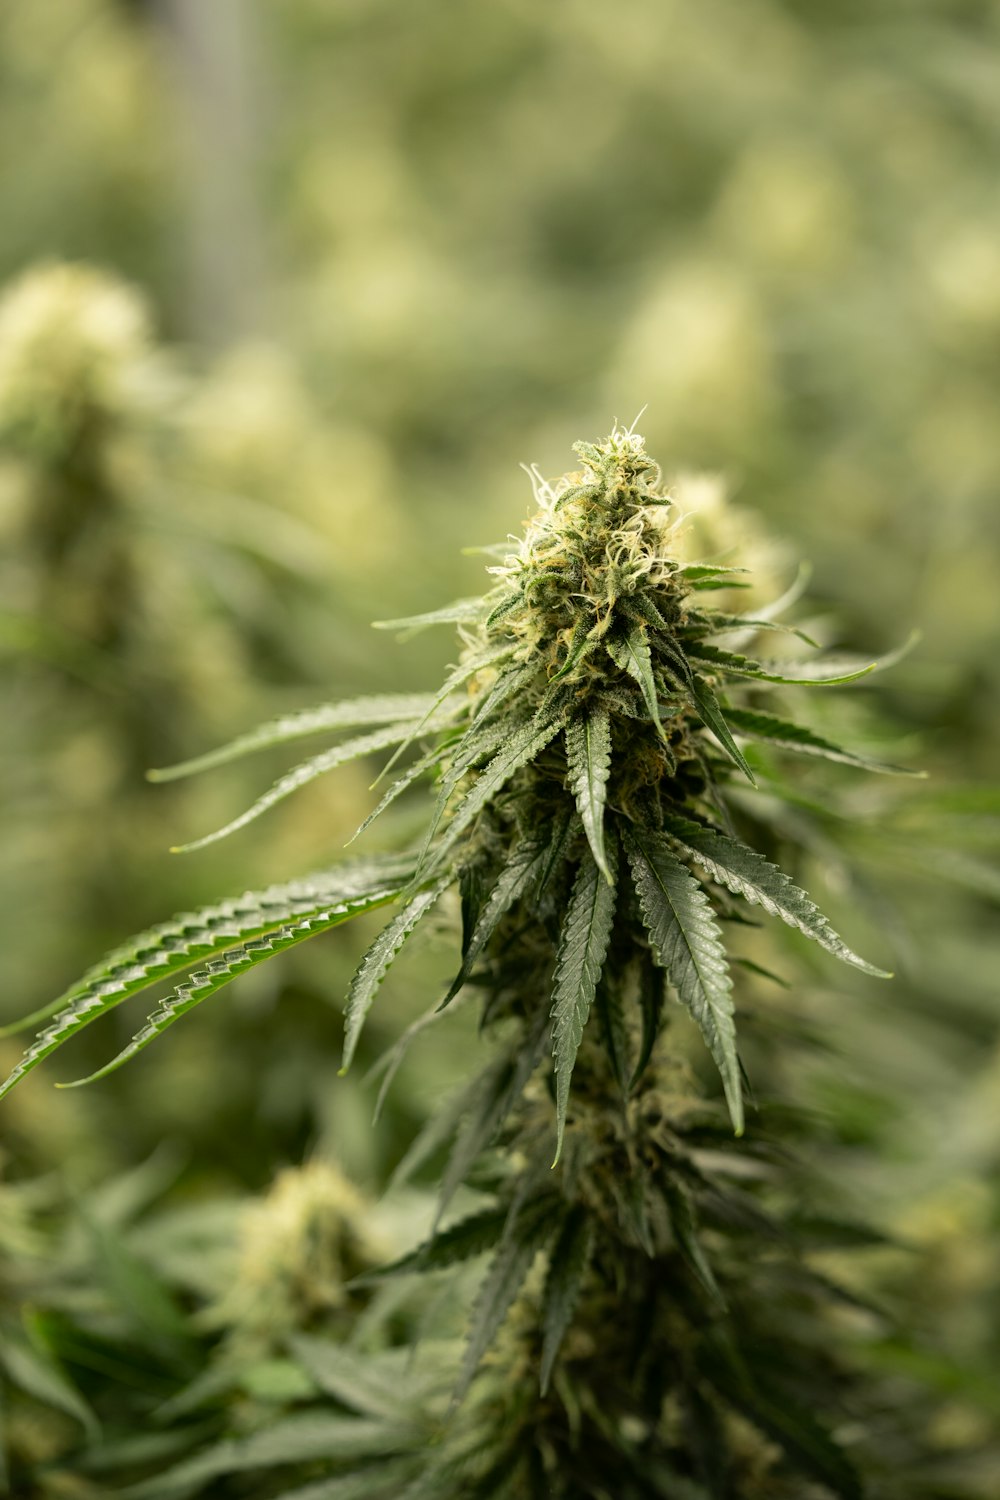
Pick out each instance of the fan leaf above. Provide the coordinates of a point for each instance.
(410, 775)
(632, 655)
(519, 874)
(803, 741)
(588, 753)
(384, 709)
(708, 706)
(687, 943)
(222, 971)
(171, 947)
(462, 612)
(301, 775)
(568, 1266)
(521, 748)
(507, 1273)
(460, 1242)
(377, 961)
(826, 673)
(583, 946)
(748, 874)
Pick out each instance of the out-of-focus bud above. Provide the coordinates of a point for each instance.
(74, 350)
(299, 1246)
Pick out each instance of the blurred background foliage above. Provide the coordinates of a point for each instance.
(290, 289)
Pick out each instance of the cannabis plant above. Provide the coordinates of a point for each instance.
(649, 1322)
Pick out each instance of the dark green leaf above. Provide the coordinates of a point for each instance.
(708, 707)
(518, 875)
(651, 998)
(823, 673)
(568, 1265)
(614, 1032)
(748, 874)
(376, 963)
(502, 1085)
(686, 1235)
(632, 656)
(521, 748)
(687, 943)
(449, 1247)
(787, 736)
(174, 946)
(222, 971)
(504, 1279)
(583, 945)
(588, 753)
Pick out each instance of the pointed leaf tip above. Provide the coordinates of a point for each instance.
(747, 873)
(583, 946)
(686, 942)
(588, 753)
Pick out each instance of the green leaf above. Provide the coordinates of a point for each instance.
(706, 573)
(375, 1482)
(802, 741)
(463, 1241)
(707, 704)
(477, 662)
(588, 754)
(504, 1279)
(507, 684)
(478, 742)
(614, 1030)
(462, 612)
(686, 1235)
(174, 946)
(583, 946)
(503, 608)
(410, 775)
(521, 748)
(502, 1085)
(722, 624)
(222, 971)
(301, 775)
(580, 645)
(355, 1380)
(568, 1266)
(384, 709)
(651, 999)
(40, 1375)
(687, 943)
(565, 827)
(518, 875)
(748, 874)
(824, 673)
(376, 963)
(632, 656)
(805, 1442)
(304, 1437)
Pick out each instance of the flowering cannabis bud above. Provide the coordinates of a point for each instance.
(585, 750)
(74, 345)
(299, 1246)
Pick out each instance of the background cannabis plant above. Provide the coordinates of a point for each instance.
(651, 1319)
